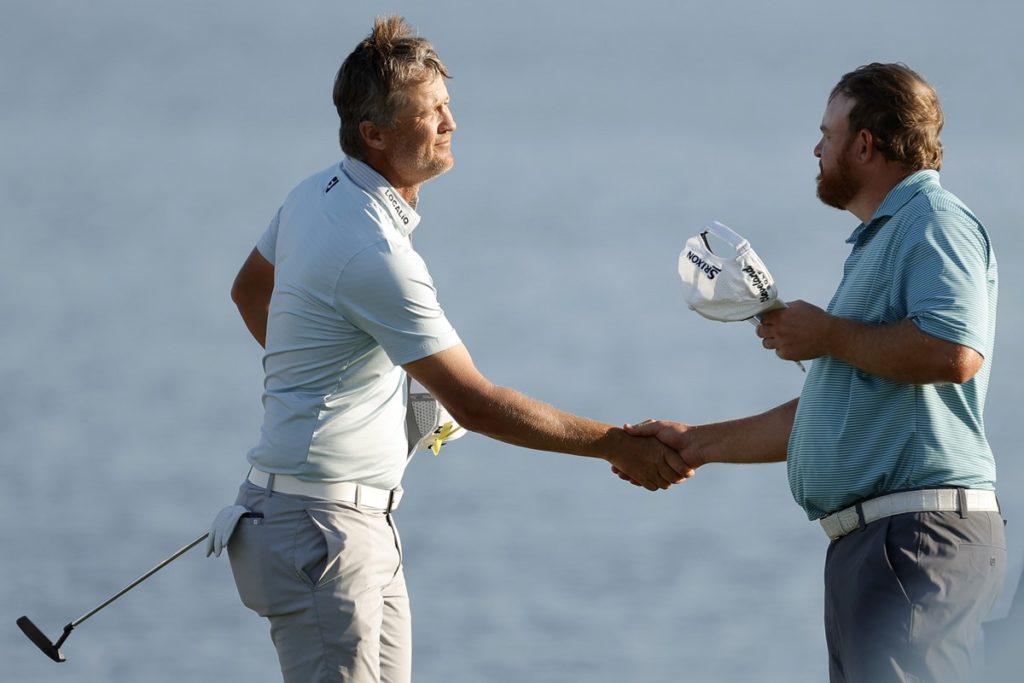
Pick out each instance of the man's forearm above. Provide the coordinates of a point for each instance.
(509, 416)
(251, 292)
(900, 352)
(514, 418)
(254, 315)
(756, 439)
(501, 413)
(479, 405)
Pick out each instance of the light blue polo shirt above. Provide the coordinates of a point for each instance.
(923, 256)
(352, 302)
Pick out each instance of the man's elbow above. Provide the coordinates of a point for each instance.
(470, 416)
(254, 282)
(236, 294)
(964, 364)
(246, 295)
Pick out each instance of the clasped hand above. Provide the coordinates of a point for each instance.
(657, 455)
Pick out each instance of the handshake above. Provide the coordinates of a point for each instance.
(656, 454)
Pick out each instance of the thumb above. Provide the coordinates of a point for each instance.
(645, 428)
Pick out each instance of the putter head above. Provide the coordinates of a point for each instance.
(41, 641)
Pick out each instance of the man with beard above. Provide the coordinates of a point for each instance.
(886, 444)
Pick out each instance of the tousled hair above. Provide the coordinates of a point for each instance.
(371, 81)
(901, 110)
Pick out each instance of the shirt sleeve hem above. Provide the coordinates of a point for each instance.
(427, 348)
(951, 335)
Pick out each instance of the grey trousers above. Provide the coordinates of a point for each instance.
(328, 577)
(905, 597)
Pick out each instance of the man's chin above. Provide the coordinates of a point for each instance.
(830, 198)
(444, 165)
(827, 201)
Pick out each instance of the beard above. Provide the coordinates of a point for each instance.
(838, 188)
(418, 164)
(438, 164)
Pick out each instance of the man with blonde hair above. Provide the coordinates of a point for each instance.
(346, 310)
(886, 444)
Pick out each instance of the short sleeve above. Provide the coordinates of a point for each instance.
(943, 274)
(267, 244)
(386, 291)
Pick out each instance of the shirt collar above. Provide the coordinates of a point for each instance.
(898, 196)
(404, 216)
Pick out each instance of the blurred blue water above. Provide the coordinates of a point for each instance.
(144, 146)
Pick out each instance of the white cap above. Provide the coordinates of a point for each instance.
(727, 289)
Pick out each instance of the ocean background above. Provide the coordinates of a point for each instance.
(145, 145)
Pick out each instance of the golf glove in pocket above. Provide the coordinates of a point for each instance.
(427, 423)
(222, 528)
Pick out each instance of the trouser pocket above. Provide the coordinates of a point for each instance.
(247, 552)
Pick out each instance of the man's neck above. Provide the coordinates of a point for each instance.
(410, 194)
(408, 191)
(875, 190)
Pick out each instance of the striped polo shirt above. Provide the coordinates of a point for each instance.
(923, 256)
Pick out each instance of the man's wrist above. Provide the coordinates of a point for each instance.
(612, 444)
(696, 455)
(833, 336)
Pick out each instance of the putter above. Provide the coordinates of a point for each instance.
(52, 649)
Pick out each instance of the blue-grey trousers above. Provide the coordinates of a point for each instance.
(905, 597)
(328, 576)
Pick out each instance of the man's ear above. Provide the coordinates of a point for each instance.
(373, 136)
(864, 146)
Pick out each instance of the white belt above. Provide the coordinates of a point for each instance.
(838, 524)
(359, 495)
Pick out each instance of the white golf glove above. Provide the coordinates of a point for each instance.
(428, 423)
(222, 528)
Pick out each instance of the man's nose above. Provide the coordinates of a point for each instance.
(448, 122)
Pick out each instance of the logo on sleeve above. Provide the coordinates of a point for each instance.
(332, 183)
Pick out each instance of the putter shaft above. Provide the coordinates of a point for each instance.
(52, 649)
(178, 553)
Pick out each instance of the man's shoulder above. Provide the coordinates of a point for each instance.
(936, 220)
(330, 198)
(332, 187)
(932, 198)
(941, 199)
(320, 181)
(936, 208)
(325, 222)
